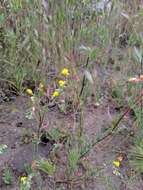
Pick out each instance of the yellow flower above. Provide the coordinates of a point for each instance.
(23, 179)
(65, 72)
(56, 93)
(29, 91)
(33, 99)
(116, 172)
(61, 83)
(41, 86)
(116, 163)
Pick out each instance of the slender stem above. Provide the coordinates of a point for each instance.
(41, 119)
(141, 90)
(112, 129)
(84, 79)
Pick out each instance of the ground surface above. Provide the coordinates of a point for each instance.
(97, 119)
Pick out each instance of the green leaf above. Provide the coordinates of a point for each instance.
(2, 18)
(137, 55)
(7, 176)
(46, 166)
(3, 148)
(74, 156)
(88, 76)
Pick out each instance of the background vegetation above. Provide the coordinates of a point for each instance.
(99, 42)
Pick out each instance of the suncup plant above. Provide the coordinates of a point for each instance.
(38, 110)
(25, 182)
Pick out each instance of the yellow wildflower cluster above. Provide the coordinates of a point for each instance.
(23, 179)
(116, 163)
(116, 170)
(41, 86)
(61, 83)
(56, 93)
(29, 91)
(65, 72)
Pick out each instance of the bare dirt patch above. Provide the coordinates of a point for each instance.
(100, 159)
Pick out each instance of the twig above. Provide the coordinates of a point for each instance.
(84, 79)
(112, 129)
(142, 89)
(72, 180)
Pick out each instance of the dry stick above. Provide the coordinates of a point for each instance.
(141, 89)
(112, 129)
(41, 120)
(71, 180)
(80, 110)
(84, 79)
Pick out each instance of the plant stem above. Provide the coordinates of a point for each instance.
(112, 129)
(84, 79)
